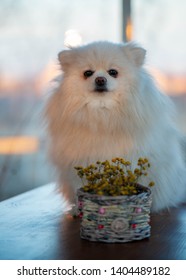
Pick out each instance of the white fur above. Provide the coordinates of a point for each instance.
(133, 119)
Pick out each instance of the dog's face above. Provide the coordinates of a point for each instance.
(101, 73)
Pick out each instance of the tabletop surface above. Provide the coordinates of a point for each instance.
(37, 226)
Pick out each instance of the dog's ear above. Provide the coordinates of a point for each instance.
(135, 53)
(65, 58)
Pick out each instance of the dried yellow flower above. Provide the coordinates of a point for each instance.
(114, 177)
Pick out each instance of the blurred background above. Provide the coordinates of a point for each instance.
(31, 35)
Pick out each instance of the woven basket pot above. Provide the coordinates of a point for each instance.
(114, 219)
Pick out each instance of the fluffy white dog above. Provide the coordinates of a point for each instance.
(108, 106)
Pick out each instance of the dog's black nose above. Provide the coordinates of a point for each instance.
(100, 81)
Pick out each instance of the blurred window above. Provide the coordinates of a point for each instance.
(159, 25)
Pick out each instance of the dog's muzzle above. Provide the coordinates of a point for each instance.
(101, 84)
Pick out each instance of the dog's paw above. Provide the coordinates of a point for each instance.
(74, 211)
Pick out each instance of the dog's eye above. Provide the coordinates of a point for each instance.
(113, 73)
(88, 73)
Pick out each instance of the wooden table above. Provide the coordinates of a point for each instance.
(35, 225)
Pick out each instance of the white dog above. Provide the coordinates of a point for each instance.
(107, 106)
